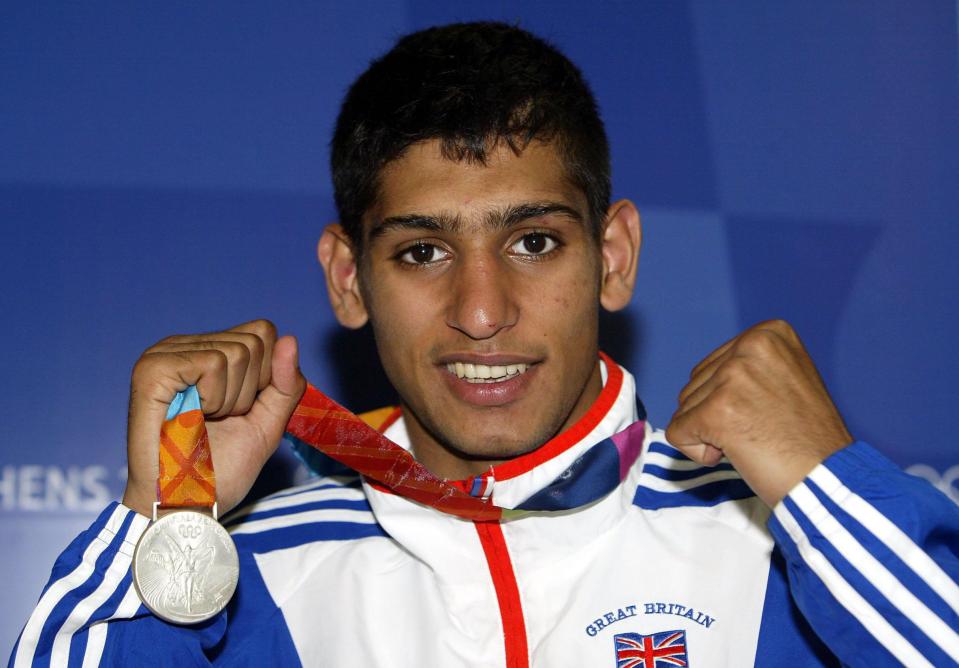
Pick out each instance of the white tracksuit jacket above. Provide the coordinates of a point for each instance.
(615, 551)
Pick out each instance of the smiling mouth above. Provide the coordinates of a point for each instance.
(483, 373)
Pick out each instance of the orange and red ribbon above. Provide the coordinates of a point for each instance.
(186, 467)
(336, 432)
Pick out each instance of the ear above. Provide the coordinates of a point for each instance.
(622, 238)
(336, 254)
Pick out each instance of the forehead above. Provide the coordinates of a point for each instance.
(423, 181)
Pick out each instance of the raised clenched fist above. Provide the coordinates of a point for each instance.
(249, 383)
(759, 401)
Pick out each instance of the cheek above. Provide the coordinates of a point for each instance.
(403, 319)
(391, 319)
(568, 308)
(575, 291)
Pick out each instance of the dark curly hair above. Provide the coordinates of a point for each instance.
(470, 85)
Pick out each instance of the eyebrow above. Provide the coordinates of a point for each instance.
(496, 219)
(516, 214)
(415, 221)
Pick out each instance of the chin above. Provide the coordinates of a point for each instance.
(493, 447)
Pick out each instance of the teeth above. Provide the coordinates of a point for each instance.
(482, 373)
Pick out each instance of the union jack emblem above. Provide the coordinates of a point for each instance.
(665, 649)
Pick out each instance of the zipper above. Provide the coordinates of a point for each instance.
(507, 593)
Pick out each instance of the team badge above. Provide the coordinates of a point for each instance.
(666, 649)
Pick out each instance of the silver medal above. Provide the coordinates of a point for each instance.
(185, 567)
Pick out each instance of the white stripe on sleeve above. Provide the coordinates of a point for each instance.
(80, 614)
(848, 597)
(56, 591)
(97, 636)
(885, 530)
(877, 574)
(96, 641)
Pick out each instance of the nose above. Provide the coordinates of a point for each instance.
(482, 299)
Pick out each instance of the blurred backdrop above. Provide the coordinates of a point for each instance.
(163, 169)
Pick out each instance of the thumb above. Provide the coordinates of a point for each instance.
(274, 405)
(285, 375)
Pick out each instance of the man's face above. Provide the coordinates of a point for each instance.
(482, 285)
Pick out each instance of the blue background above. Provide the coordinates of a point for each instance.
(163, 169)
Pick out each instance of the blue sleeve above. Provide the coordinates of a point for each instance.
(89, 613)
(873, 561)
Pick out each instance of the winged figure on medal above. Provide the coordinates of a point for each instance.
(183, 571)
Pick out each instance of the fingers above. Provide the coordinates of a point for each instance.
(683, 430)
(231, 383)
(689, 428)
(233, 374)
(265, 332)
(712, 358)
(780, 328)
(686, 430)
(701, 453)
(759, 340)
(217, 368)
(157, 377)
(758, 401)
(703, 372)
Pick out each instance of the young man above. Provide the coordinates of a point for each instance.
(477, 237)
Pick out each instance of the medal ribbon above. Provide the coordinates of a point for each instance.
(186, 468)
(336, 432)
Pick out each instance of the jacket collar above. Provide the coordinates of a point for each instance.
(581, 464)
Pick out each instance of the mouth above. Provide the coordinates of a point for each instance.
(490, 381)
(486, 373)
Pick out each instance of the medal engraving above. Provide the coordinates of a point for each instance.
(185, 567)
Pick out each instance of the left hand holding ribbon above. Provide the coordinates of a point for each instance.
(249, 383)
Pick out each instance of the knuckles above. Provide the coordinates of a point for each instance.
(759, 343)
(254, 345)
(724, 407)
(262, 328)
(768, 342)
(144, 368)
(237, 354)
(730, 372)
(778, 325)
(153, 366)
(673, 433)
(247, 343)
(215, 361)
(785, 330)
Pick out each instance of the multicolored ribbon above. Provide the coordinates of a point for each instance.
(336, 432)
(186, 467)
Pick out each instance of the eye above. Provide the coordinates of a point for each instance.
(534, 243)
(423, 253)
